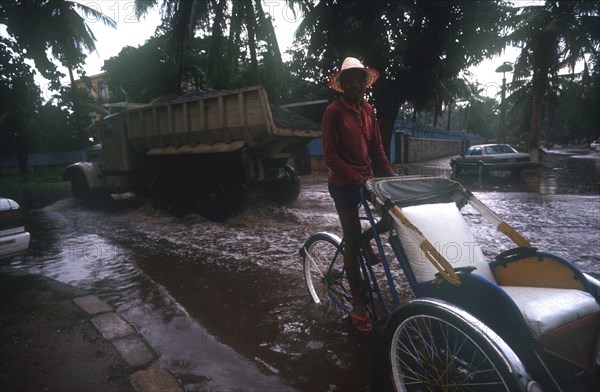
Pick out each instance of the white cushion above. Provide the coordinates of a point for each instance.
(444, 226)
(545, 309)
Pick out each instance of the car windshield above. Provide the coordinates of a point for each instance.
(473, 151)
(499, 149)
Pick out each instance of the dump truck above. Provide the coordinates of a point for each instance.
(211, 153)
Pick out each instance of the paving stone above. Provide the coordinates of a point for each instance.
(134, 350)
(92, 304)
(154, 380)
(112, 326)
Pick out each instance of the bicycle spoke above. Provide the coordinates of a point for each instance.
(431, 354)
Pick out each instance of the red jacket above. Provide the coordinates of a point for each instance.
(352, 143)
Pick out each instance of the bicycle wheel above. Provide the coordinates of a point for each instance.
(324, 273)
(429, 345)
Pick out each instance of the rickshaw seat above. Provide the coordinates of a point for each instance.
(544, 309)
(445, 227)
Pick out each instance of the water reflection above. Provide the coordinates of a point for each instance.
(220, 299)
(556, 174)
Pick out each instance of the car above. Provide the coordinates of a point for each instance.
(595, 144)
(14, 239)
(597, 147)
(485, 158)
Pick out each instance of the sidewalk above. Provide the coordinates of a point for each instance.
(55, 337)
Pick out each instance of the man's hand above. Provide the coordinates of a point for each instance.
(360, 179)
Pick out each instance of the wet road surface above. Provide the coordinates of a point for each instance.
(224, 304)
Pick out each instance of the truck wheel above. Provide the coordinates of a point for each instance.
(222, 196)
(79, 187)
(284, 190)
(159, 188)
(168, 192)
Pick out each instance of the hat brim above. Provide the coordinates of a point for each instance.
(334, 80)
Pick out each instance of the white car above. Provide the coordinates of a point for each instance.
(13, 237)
(595, 144)
(484, 158)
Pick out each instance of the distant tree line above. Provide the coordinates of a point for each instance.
(423, 49)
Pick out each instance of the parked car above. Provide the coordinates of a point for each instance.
(13, 237)
(595, 144)
(485, 158)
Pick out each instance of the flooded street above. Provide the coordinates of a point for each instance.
(224, 304)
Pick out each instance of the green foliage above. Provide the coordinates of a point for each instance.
(554, 36)
(51, 27)
(41, 31)
(20, 99)
(420, 47)
(480, 117)
(140, 74)
(238, 44)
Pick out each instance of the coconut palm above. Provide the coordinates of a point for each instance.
(42, 31)
(57, 25)
(180, 19)
(450, 92)
(553, 36)
(73, 37)
(231, 25)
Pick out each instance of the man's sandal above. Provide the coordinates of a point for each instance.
(361, 323)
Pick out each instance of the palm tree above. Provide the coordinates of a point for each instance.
(39, 27)
(57, 25)
(479, 112)
(229, 22)
(452, 91)
(553, 36)
(180, 19)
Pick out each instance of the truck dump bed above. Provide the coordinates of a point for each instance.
(217, 123)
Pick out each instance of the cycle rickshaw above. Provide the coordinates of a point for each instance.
(525, 321)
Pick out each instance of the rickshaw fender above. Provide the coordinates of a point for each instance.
(323, 235)
(485, 300)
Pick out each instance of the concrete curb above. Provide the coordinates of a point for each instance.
(131, 346)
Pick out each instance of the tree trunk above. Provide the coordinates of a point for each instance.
(274, 60)
(387, 103)
(540, 80)
(22, 144)
(251, 26)
(536, 123)
(179, 41)
(214, 61)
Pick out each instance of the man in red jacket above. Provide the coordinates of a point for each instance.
(352, 149)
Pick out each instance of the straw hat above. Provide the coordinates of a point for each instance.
(351, 63)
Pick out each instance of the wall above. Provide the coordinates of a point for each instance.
(410, 150)
(42, 161)
(407, 150)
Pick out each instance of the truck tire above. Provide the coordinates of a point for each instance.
(223, 195)
(284, 190)
(79, 187)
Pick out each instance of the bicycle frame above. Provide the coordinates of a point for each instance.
(367, 266)
(378, 307)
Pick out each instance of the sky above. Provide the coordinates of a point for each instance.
(133, 32)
